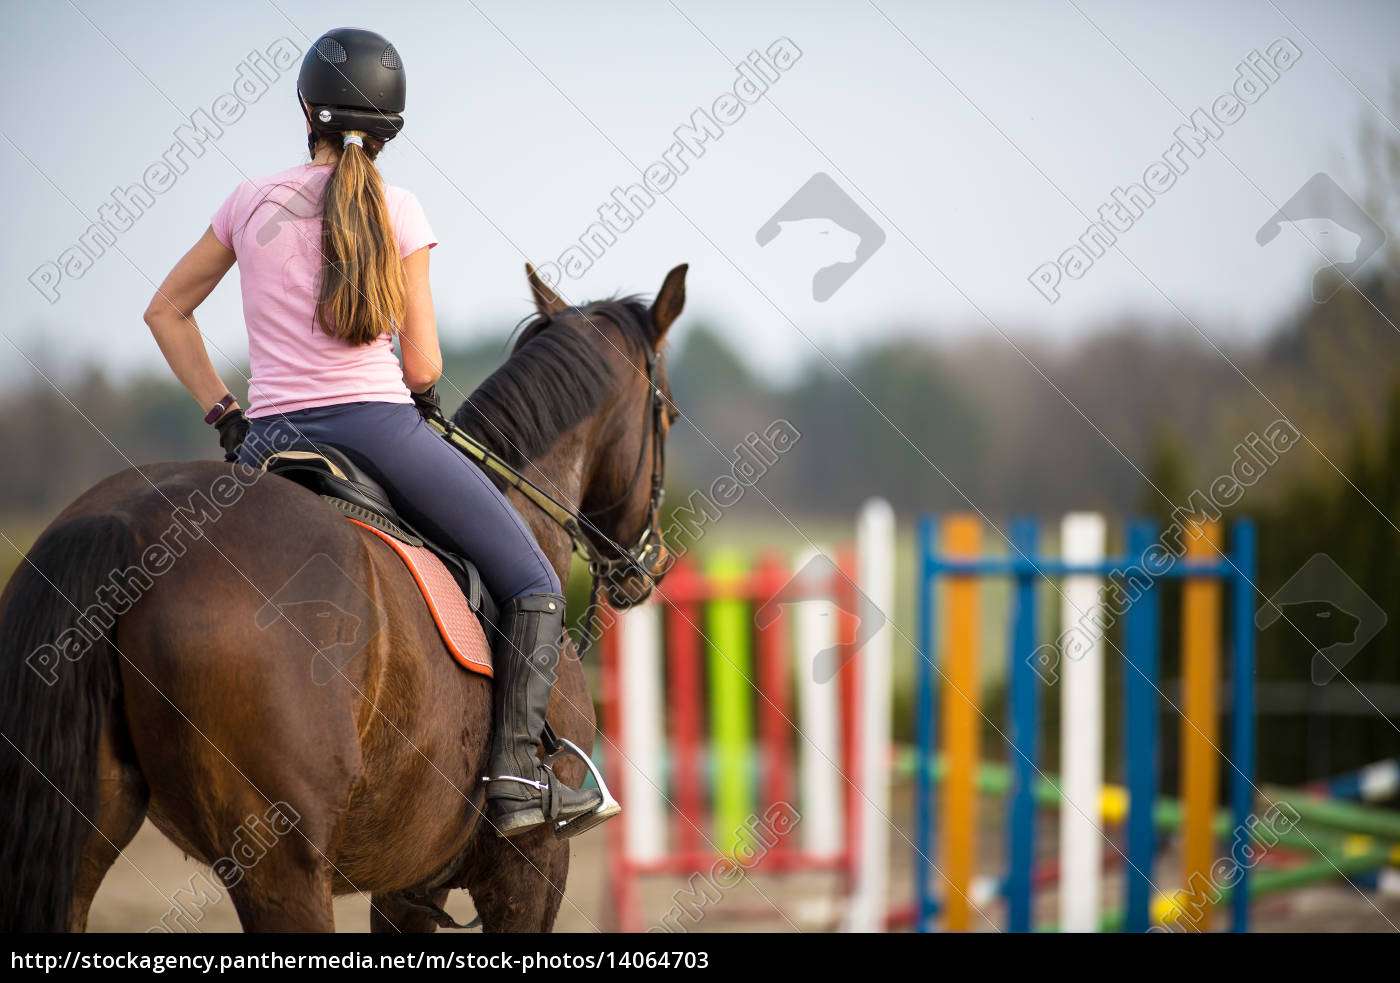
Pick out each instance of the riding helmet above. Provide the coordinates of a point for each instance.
(354, 80)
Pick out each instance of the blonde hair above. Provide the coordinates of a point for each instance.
(363, 293)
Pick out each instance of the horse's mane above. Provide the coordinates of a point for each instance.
(557, 375)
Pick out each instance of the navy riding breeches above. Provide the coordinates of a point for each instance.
(436, 488)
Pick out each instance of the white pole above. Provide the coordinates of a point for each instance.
(1081, 713)
(819, 722)
(875, 570)
(642, 738)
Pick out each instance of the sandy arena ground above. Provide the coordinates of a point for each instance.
(134, 896)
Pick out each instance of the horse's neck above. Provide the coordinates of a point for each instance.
(560, 471)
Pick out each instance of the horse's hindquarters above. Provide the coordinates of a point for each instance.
(291, 702)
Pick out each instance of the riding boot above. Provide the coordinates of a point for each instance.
(521, 792)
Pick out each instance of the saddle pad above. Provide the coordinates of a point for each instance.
(457, 623)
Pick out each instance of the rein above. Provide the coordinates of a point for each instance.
(643, 554)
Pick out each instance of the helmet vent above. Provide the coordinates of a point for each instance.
(331, 50)
(390, 59)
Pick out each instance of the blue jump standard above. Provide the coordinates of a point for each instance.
(1141, 687)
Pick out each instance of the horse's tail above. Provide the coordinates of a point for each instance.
(58, 681)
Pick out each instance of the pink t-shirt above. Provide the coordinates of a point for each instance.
(273, 225)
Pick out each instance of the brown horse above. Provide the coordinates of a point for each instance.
(217, 649)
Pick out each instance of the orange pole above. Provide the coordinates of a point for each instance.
(962, 538)
(1200, 715)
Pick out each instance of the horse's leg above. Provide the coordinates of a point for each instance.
(121, 808)
(291, 893)
(395, 913)
(517, 883)
(392, 912)
(279, 861)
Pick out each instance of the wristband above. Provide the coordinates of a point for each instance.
(220, 408)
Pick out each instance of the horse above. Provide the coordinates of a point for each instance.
(147, 670)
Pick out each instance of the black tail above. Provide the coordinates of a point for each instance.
(58, 680)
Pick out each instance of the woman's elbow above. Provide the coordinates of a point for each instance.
(421, 380)
(158, 313)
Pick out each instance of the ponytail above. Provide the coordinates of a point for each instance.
(362, 292)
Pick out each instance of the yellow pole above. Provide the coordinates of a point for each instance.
(731, 703)
(1200, 715)
(962, 537)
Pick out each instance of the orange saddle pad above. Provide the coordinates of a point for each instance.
(457, 623)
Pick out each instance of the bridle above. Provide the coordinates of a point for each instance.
(645, 555)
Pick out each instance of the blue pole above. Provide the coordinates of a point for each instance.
(1140, 732)
(1025, 728)
(1365, 784)
(1242, 713)
(923, 659)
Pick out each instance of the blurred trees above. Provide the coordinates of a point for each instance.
(1350, 517)
(1027, 428)
(1129, 421)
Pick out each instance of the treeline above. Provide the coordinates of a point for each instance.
(1030, 427)
(1041, 427)
(1130, 421)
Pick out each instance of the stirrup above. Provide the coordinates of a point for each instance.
(609, 807)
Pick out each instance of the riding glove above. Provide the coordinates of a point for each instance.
(232, 427)
(428, 403)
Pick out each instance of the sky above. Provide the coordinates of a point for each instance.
(929, 157)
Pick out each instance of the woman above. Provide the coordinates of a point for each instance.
(333, 263)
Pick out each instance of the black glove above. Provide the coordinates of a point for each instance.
(232, 427)
(429, 406)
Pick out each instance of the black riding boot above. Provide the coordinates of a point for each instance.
(521, 793)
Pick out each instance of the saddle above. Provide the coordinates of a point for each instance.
(449, 582)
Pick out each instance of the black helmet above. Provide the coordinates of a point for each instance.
(354, 80)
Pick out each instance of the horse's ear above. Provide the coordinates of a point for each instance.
(546, 300)
(669, 301)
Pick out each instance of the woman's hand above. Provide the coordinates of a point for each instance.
(428, 403)
(233, 428)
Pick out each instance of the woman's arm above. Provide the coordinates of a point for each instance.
(418, 339)
(171, 317)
